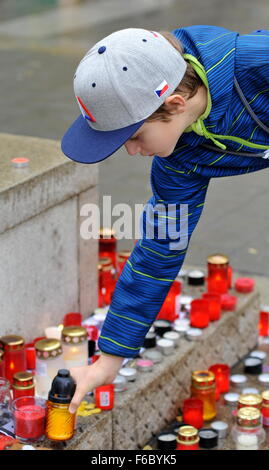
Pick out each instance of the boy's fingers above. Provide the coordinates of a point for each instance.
(77, 399)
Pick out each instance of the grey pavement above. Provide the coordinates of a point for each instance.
(41, 44)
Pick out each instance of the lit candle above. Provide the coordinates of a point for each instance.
(193, 412)
(214, 305)
(217, 281)
(15, 356)
(30, 356)
(263, 326)
(29, 418)
(75, 346)
(222, 377)
(199, 314)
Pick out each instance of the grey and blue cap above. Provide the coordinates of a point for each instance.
(118, 84)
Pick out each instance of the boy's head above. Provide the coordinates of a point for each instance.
(128, 87)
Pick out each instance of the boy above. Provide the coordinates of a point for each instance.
(198, 101)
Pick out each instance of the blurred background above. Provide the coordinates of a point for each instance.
(41, 44)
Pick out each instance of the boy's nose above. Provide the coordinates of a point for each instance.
(132, 147)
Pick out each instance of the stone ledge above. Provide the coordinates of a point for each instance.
(153, 400)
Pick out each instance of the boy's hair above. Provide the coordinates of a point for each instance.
(188, 85)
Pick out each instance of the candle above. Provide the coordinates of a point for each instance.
(167, 442)
(2, 363)
(166, 346)
(249, 399)
(120, 384)
(188, 438)
(150, 340)
(75, 346)
(230, 276)
(199, 315)
(107, 281)
(265, 408)
(238, 381)
(228, 302)
(208, 438)
(53, 332)
(217, 281)
(29, 418)
(193, 412)
(153, 355)
(104, 397)
(221, 427)
(222, 377)
(49, 360)
(168, 310)
(144, 365)
(72, 319)
(23, 384)
(162, 326)
(30, 356)
(129, 373)
(173, 336)
(203, 387)
(244, 285)
(263, 326)
(108, 244)
(193, 334)
(15, 356)
(253, 365)
(214, 305)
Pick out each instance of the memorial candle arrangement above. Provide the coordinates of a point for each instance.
(15, 356)
(217, 280)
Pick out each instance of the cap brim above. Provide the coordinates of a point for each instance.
(83, 144)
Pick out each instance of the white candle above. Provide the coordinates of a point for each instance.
(247, 442)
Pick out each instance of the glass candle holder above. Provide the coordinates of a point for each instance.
(199, 314)
(250, 399)
(2, 363)
(263, 326)
(217, 280)
(5, 401)
(30, 356)
(248, 433)
(107, 281)
(108, 244)
(204, 388)
(72, 319)
(188, 438)
(75, 346)
(222, 377)
(193, 412)
(104, 397)
(214, 305)
(169, 308)
(23, 384)
(49, 359)
(122, 257)
(29, 418)
(15, 356)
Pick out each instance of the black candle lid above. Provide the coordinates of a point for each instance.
(208, 438)
(167, 441)
(253, 365)
(162, 326)
(196, 278)
(150, 340)
(62, 388)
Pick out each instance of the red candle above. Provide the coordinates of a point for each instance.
(222, 377)
(15, 357)
(29, 417)
(217, 281)
(193, 412)
(228, 302)
(244, 285)
(230, 277)
(104, 397)
(108, 245)
(263, 326)
(23, 385)
(199, 314)
(214, 306)
(2, 363)
(30, 356)
(107, 281)
(72, 319)
(168, 310)
(93, 332)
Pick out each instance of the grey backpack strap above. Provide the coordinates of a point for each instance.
(251, 112)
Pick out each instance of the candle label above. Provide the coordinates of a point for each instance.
(41, 368)
(104, 399)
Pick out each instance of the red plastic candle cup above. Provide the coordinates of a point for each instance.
(72, 319)
(93, 332)
(222, 377)
(108, 245)
(214, 306)
(107, 281)
(104, 397)
(228, 302)
(193, 412)
(217, 280)
(15, 357)
(30, 356)
(230, 277)
(244, 285)
(29, 418)
(263, 326)
(168, 310)
(199, 314)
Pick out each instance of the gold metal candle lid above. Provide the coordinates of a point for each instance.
(107, 232)
(250, 399)
(48, 348)
(23, 381)
(105, 264)
(187, 435)
(23, 376)
(218, 259)
(265, 397)
(74, 334)
(249, 417)
(12, 341)
(123, 255)
(203, 378)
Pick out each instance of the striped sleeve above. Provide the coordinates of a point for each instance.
(167, 224)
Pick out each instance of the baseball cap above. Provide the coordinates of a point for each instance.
(118, 84)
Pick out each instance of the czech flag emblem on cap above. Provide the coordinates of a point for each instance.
(161, 89)
(86, 113)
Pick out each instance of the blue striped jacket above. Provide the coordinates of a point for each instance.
(183, 177)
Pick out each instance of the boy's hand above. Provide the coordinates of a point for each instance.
(87, 378)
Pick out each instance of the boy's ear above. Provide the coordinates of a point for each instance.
(175, 103)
